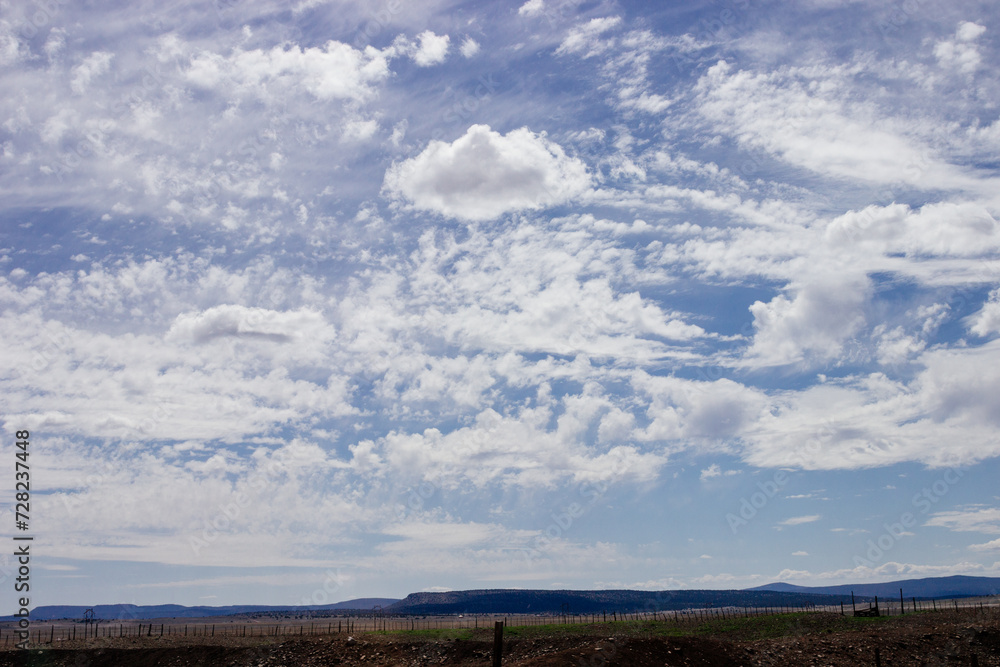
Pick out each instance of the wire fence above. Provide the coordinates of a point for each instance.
(52, 632)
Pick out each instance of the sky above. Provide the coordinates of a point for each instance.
(308, 301)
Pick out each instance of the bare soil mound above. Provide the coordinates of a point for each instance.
(942, 638)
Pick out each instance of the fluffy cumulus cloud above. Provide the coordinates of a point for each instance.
(333, 71)
(812, 326)
(517, 451)
(960, 52)
(242, 322)
(432, 49)
(484, 174)
(873, 420)
(987, 321)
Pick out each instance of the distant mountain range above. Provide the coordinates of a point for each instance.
(516, 601)
(933, 587)
(508, 601)
(129, 612)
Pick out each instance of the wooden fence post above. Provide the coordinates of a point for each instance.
(497, 644)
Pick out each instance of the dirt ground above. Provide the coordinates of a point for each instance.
(942, 638)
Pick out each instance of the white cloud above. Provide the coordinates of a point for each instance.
(483, 174)
(942, 229)
(961, 53)
(987, 320)
(470, 47)
(242, 322)
(696, 411)
(12, 49)
(433, 49)
(801, 116)
(360, 129)
(711, 471)
(214, 512)
(872, 420)
(978, 520)
(93, 66)
(515, 451)
(586, 38)
(800, 553)
(531, 8)
(886, 571)
(812, 326)
(335, 71)
(992, 545)
(895, 346)
(799, 520)
(715, 471)
(222, 372)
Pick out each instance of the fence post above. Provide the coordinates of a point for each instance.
(497, 644)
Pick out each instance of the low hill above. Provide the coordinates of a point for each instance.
(127, 612)
(513, 601)
(923, 589)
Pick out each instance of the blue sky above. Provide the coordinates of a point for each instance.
(318, 300)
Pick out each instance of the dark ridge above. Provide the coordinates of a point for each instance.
(957, 586)
(510, 601)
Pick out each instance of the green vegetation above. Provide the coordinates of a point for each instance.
(784, 625)
(737, 628)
